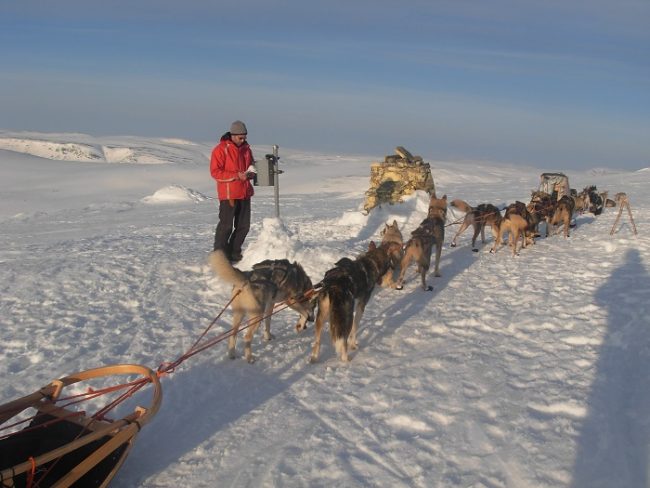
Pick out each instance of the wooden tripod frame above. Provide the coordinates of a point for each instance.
(623, 203)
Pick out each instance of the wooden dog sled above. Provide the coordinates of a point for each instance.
(61, 446)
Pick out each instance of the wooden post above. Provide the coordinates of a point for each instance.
(623, 202)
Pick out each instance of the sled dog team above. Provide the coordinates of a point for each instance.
(522, 220)
(345, 290)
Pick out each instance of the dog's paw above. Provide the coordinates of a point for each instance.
(399, 287)
(312, 360)
(429, 288)
(232, 355)
(452, 245)
(269, 337)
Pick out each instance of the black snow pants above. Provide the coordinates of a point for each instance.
(234, 223)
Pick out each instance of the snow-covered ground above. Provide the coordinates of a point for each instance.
(527, 371)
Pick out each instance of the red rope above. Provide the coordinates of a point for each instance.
(165, 368)
(169, 367)
(30, 475)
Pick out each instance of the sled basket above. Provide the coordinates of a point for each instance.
(555, 184)
(63, 447)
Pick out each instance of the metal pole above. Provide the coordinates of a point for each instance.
(276, 182)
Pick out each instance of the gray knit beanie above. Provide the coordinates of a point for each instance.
(238, 127)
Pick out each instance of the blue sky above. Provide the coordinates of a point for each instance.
(558, 84)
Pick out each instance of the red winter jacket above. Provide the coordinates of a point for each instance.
(226, 162)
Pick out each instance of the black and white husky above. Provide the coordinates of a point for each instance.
(345, 292)
(257, 291)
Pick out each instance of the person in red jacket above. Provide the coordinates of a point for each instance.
(232, 166)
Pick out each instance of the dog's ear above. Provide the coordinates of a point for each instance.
(394, 223)
(372, 246)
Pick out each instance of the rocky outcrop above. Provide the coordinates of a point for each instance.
(400, 174)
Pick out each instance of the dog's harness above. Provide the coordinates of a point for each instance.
(273, 266)
(285, 271)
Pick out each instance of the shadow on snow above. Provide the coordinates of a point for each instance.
(613, 443)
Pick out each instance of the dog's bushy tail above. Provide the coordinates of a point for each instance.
(341, 311)
(224, 270)
(462, 205)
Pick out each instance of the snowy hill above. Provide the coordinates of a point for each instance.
(526, 371)
(84, 148)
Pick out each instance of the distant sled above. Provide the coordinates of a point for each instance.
(61, 446)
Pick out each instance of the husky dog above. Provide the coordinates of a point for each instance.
(532, 223)
(419, 247)
(477, 217)
(543, 206)
(595, 201)
(256, 292)
(529, 214)
(391, 239)
(564, 213)
(515, 225)
(581, 203)
(345, 292)
(519, 220)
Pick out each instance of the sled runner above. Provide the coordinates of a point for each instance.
(61, 446)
